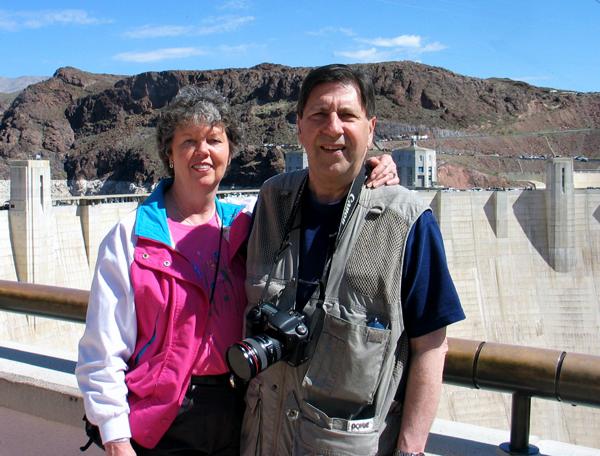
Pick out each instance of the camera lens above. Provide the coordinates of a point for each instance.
(252, 355)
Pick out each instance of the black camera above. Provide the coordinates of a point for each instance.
(275, 334)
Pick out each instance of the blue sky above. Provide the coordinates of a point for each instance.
(553, 43)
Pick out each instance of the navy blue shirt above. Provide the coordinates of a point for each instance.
(318, 229)
(429, 297)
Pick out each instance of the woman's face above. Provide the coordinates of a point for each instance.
(200, 155)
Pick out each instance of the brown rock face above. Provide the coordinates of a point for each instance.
(36, 121)
(97, 126)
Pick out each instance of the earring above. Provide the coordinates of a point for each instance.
(171, 164)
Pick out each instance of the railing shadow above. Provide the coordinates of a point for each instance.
(36, 359)
(490, 213)
(456, 446)
(529, 209)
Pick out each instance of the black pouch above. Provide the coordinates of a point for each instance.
(93, 433)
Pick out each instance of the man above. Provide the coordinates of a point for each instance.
(367, 268)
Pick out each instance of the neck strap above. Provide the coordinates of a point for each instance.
(350, 205)
(221, 222)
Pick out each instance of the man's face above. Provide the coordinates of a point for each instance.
(335, 132)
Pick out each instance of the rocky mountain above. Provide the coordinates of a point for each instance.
(10, 85)
(99, 126)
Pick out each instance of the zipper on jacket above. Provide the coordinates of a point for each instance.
(147, 344)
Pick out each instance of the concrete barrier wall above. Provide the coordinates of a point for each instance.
(73, 231)
(7, 262)
(96, 221)
(69, 251)
(586, 179)
(39, 332)
(512, 294)
(581, 179)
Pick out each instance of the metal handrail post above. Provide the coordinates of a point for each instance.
(519, 427)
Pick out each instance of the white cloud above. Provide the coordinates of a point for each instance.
(209, 26)
(235, 5)
(13, 21)
(402, 46)
(158, 55)
(363, 55)
(149, 31)
(64, 17)
(223, 24)
(332, 31)
(409, 41)
(7, 24)
(239, 49)
(433, 47)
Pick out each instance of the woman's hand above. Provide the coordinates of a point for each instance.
(123, 448)
(383, 171)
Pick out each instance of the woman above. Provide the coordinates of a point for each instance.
(168, 298)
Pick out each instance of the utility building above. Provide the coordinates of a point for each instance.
(416, 165)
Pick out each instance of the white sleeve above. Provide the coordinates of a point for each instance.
(109, 337)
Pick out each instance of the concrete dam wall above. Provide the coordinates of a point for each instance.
(526, 265)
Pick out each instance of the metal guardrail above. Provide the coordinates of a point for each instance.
(525, 372)
(44, 300)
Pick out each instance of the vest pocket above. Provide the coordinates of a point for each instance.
(344, 371)
(311, 439)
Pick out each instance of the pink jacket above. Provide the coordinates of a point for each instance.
(152, 291)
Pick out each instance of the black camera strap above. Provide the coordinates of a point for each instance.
(350, 204)
(285, 242)
(349, 207)
(318, 317)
